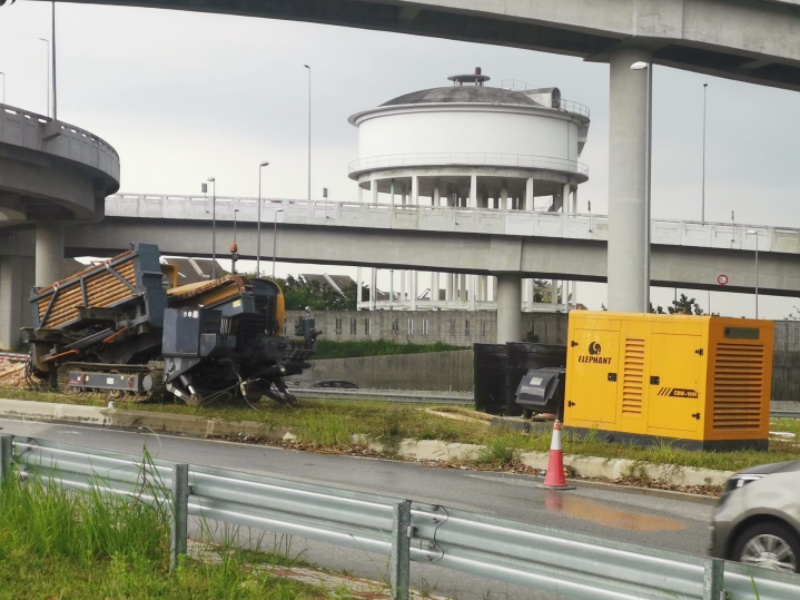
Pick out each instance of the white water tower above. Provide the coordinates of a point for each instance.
(474, 146)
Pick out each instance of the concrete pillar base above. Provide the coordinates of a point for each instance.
(49, 253)
(509, 302)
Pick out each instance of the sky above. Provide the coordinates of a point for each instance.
(186, 96)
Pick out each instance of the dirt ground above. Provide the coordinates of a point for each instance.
(12, 371)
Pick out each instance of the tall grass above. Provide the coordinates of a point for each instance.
(56, 543)
(47, 520)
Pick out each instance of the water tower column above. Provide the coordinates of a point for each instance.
(509, 301)
(627, 169)
(473, 191)
(529, 194)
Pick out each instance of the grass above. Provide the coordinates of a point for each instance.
(59, 544)
(325, 424)
(357, 348)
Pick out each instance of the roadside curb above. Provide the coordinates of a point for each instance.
(417, 450)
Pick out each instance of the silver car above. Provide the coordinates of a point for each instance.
(757, 519)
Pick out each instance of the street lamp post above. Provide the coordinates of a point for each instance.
(648, 66)
(213, 183)
(275, 240)
(46, 41)
(258, 226)
(53, 58)
(754, 233)
(703, 199)
(234, 245)
(309, 131)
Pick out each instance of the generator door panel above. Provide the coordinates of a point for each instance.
(675, 402)
(592, 374)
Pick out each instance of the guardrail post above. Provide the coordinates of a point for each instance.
(401, 549)
(713, 579)
(180, 513)
(6, 453)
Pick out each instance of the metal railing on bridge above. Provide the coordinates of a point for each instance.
(485, 221)
(568, 564)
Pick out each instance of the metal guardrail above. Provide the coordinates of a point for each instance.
(567, 564)
(20, 127)
(725, 236)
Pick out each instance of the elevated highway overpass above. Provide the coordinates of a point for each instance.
(507, 244)
(477, 241)
(756, 41)
(748, 40)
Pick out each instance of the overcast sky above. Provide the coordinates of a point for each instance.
(185, 96)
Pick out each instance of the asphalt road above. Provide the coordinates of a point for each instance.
(655, 519)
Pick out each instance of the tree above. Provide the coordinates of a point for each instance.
(683, 306)
(299, 294)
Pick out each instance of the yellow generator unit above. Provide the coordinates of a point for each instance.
(699, 381)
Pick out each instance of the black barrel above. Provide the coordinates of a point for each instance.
(523, 356)
(490, 378)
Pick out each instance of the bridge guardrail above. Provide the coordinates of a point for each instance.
(24, 128)
(568, 564)
(587, 226)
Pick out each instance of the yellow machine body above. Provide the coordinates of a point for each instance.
(701, 380)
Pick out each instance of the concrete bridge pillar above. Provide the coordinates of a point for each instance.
(16, 280)
(49, 252)
(627, 171)
(509, 302)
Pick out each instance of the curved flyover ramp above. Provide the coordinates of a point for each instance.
(52, 171)
(51, 174)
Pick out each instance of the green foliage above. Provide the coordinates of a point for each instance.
(356, 348)
(683, 306)
(46, 520)
(325, 429)
(327, 423)
(60, 544)
(299, 294)
(502, 451)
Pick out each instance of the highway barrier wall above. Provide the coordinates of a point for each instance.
(455, 327)
(443, 371)
(439, 371)
(786, 361)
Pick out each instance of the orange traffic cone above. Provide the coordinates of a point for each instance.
(554, 478)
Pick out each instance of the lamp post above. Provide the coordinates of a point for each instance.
(213, 183)
(753, 232)
(53, 57)
(275, 240)
(309, 131)
(46, 41)
(234, 245)
(703, 198)
(258, 217)
(647, 66)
